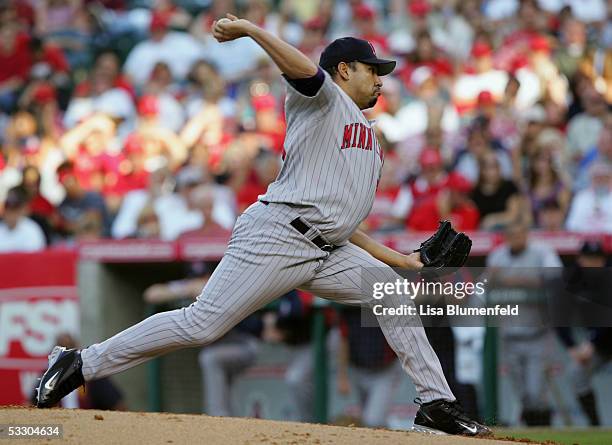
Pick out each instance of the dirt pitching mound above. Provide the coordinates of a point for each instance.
(112, 427)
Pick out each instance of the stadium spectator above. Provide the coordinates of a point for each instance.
(159, 186)
(147, 224)
(497, 199)
(430, 95)
(602, 152)
(252, 181)
(31, 141)
(479, 143)
(425, 55)
(554, 143)
(41, 210)
(365, 20)
(584, 128)
(502, 120)
(179, 49)
(216, 209)
(175, 212)
(14, 68)
(104, 96)
(269, 126)
(42, 100)
(572, 48)
(431, 180)
(205, 128)
(452, 203)
(313, 39)
(596, 66)
(129, 169)
(546, 183)
(591, 208)
(530, 22)
(18, 233)
(106, 66)
(534, 123)
(456, 32)
(552, 84)
(402, 126)
(162, 146)
(89, 146)
(481, 77)
(159, 99)
(206, 87)
(387, 212)
(26, 142)
(83, 213)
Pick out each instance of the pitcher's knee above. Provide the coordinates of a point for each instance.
(205, 337)
(202, 327)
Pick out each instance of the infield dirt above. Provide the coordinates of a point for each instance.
(112, 427)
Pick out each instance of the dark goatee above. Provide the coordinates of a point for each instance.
(371, 103)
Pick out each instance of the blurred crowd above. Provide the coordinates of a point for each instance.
(125, 118)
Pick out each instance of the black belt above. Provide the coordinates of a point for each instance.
(302, 227)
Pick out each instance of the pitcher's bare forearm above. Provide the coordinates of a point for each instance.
(289, 60)
(385, 254)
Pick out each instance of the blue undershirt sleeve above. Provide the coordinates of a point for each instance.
(308, 86)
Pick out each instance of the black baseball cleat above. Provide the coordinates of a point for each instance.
(444, 416)
(61, 378)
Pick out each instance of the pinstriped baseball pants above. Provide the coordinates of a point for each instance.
(266, 257)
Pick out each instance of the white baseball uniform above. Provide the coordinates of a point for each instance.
(329, 177)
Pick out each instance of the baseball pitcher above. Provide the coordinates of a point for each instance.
(301, 234)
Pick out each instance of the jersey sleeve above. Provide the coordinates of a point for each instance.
(308, 86)
(317, 99)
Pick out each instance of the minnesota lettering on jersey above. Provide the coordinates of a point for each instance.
(357, 135)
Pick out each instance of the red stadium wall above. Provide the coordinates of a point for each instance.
(134, 251)
(38, 301)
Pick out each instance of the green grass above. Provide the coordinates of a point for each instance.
(587, 436)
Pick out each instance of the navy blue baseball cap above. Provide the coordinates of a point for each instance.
(351, 49)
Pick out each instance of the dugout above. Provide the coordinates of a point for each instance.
(112, 276)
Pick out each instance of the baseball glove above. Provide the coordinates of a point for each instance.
(445, 251)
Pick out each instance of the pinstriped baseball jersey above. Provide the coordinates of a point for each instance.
(332, 161)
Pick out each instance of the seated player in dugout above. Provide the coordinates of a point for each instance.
(302, 233)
